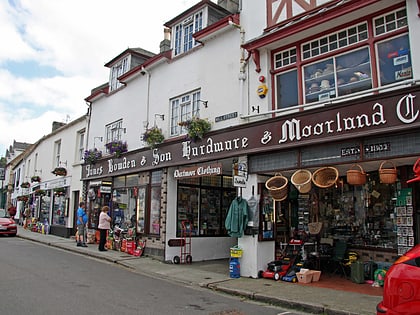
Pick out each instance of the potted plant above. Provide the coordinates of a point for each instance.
(196, 127)
(25, 185)
(35, 178)
(91, 156)
(116, 147)
(59, 171)
(153, 136)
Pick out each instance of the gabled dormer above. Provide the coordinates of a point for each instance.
(194, 20)
(123, 63)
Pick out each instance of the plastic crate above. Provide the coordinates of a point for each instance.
(235, 252)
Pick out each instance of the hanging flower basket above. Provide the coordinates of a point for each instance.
(153, 136)
(39, 192)
(22, 198)
(116, 147)
(196, 128)
(25, 185)
(91, 156)
(59, 171)
(60, 191)
(35, 179)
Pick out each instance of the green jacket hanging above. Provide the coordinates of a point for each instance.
(237, 217)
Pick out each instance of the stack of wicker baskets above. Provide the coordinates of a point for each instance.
(277, 186)
(325, 177)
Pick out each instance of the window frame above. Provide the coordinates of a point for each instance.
(370, 41)
(117, 70)
(183, 33)
(113, 131)
(182, 108)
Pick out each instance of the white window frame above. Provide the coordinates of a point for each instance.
(81, 145)
(182, 38)
(118, 70)
(57, 153)
(183, 108)
(114, 131)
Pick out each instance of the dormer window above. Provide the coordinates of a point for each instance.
(121, 67)
(183, 33)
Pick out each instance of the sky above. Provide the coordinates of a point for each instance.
(53, 53)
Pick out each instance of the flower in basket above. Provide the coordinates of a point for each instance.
(23, 198)
(60, 171)
(39, 192)
(25, 185)
(91, 156)
(35, 179)
(196, 127)
(60, 191)
(116, 147)
(153, 136)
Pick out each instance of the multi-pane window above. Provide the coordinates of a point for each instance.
(57, 152)
(334, 41)
(285, 58)
(390, 22)
(341, 63)
(183, 108)
(114, 131)
(81, 145)
(183, 33)
(116, 71)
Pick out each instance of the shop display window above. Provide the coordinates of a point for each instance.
(124, 203)
(60, 210)
(204, 202)
(44, 209)
(141, 209)
(394, 60)
(154, 221)
(337, 76)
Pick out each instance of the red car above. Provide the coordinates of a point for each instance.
(402, 286)
(7, 225)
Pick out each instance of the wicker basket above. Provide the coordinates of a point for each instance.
(302, 179)
(387, 175)
(325, 177)
(315, 228)
(356, 176)
(277, 186)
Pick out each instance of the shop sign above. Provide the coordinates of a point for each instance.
(377, 147)
(198, 171)
(105, 189)
(394, 111)
(226, 117)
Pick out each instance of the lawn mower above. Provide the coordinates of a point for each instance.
(278, 269)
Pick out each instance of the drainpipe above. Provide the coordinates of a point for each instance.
(145, 72)
(242, 69)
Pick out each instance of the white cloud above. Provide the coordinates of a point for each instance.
(76, 38)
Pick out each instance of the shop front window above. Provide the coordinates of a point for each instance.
(124, 202)
(394, 60)
(337, 76)
(60, 210)
(204, 203)
(44, 209)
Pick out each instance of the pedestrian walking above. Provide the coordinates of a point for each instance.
(82, 220)
(103, 226)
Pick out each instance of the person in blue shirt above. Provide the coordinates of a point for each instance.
(82, 220)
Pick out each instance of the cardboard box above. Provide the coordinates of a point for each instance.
(305, 277)
(315, 275)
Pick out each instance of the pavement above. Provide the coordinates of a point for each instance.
(214, 275)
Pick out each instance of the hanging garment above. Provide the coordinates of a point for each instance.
(237, 217)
